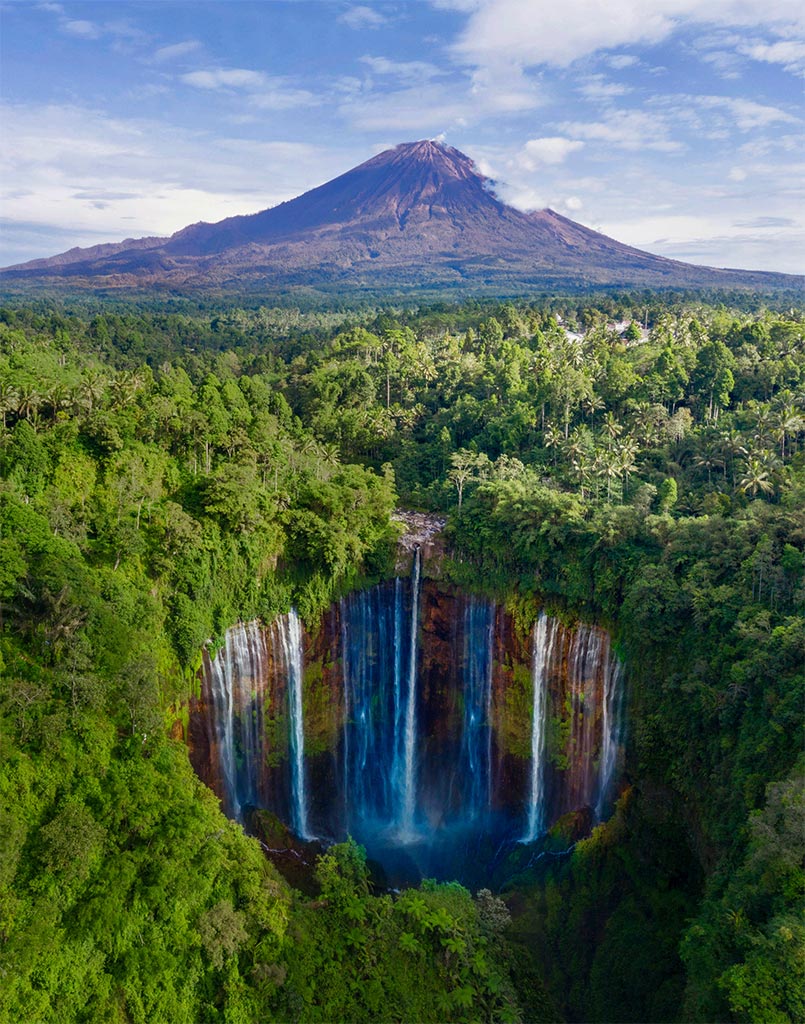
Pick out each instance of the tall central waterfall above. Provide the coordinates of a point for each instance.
(413, 716)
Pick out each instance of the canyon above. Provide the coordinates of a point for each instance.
(421, 720)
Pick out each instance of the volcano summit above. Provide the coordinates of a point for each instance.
(417, 216)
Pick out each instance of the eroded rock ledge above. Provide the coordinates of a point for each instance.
(422, 530)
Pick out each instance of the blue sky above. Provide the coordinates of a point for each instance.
(673, 125)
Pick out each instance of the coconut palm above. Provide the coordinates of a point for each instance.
(732, 445)
(8, 399)
(91, 389)
(56, 398)
(593, 404)
(28, 400)
(626, 453)
(757, 477)
(788, 421)
(552, 437)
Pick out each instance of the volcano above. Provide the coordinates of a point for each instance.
(420, 215)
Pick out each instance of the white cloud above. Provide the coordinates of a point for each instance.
(714, 240)
(360, 16)
(622, 60)
(77, 176)
(547, 150)
(523, 197)
(412, 71)
(737, 174)
(432, 107)
(597, 88)
(530, 33)
(788, 52)
(746, 114)
(263, 91)
(225, 78)
(627, 129)
(82, 29)
(176, 50)
(726, 63)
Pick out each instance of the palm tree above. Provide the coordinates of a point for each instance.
(28, 400)
(56, 398)
(612, 428)
(757, 478)
(125, 386)
(608, 469)
(8, 399)
(582, 467)
(732, 445)
(552, 437)
(593, 404)
(92, 387)
(625, 453)
(788, 421)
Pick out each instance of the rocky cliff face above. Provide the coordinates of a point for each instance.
(427, 719)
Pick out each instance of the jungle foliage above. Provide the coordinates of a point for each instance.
(634, 460)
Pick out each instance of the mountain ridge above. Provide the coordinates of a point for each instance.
(420, 214)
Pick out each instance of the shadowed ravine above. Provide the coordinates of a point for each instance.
(414, 719)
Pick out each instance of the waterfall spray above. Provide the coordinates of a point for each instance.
(612, 718)
(545, 633)
(290, 633)
(407, 809)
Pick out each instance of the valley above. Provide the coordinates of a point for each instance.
(275, 749)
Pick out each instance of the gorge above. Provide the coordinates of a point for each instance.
(566, 731)
(418, 719)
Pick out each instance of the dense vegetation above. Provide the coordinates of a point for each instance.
(630, 460)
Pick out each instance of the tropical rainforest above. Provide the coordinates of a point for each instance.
(637, 460)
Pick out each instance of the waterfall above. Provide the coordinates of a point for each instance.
(585, 667)
(612, 728)
(237, 680)
(418, 750)
(372, 643)
(476, 746)
(289, 633)
(406, 820)
(398, 761)
(545, 634)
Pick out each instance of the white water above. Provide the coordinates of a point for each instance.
(220, 673)
(290, 636)
(476, 735)
(237, 680)
(612, 716)
(406, 822)
(545, 632)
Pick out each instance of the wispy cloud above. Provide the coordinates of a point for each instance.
(746, 113)
(599, 89)
(137, 177)
(547, 150)
(627, 129)
(360, 17)
(175, 51)
(619, 61)
(790, 53)
(412, 71)
(81, 28)
(766, 222)
(266, 92)
(120, 31)
(225, 78)
(433, 106)
(531, 33)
